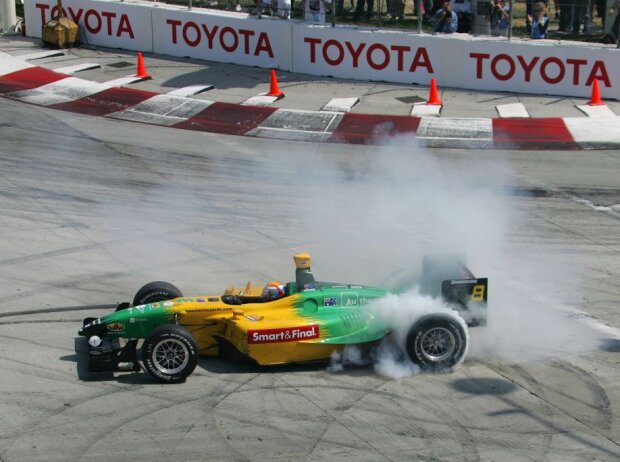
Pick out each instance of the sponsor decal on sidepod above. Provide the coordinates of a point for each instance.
(287, 334)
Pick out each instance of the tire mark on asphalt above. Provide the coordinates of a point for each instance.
(208, 395)
(334, 418)
(467, 441)
(551, 425)
(58, 309)
(573, 232)
(547, 410)
(603, 404)
(288, 389)
(32, 342)
(22, 433)
(447, 422)
(219, 400)
(40, 321)
(73, 284)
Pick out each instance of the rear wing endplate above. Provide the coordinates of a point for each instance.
(471, 295)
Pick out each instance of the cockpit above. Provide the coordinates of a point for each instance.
(304, 280)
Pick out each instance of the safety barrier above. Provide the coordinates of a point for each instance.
(457, 60)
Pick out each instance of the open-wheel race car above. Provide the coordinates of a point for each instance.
(303, 320)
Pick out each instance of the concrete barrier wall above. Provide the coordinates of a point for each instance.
(109, 24)
(461, 61)
(238, 39)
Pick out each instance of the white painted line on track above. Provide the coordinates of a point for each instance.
(9, 64)
(298, 125)
(512, 110)
(613, 210)
(294, 119)
(77, 68)
(426, 110)
(260, 100)
(455, 128)
(289, 134)
(190, 90)
(125, 81)
(581, 316)
(41, 55)
(340, 104)
(596, 111)
(163, 110)
(594, 130)
(61, 91)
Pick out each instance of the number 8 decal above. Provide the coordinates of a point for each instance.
(477, 295)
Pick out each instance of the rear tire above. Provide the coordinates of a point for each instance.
(157, 291)
(170, 354)
(437, 342)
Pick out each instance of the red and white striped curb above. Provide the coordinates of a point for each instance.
(22, 81)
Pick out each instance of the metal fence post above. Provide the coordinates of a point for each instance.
(189, 5)
(334, 13)
(510, 20)
(419, 16)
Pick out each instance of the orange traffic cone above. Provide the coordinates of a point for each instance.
(141, 71)
(274, 89)
(433, 98)
(596, 95)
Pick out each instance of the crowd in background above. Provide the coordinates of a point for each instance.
(449, 16)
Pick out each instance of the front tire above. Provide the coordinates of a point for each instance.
(170, 354)
(157, 291)
(437, 343)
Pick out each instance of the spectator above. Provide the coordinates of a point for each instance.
(600, 7)
(359, 9)
(340, 7)
(572, 14)
(566, 15)
(428, 8)
(278, 8)
(281, 8)
(445, 20)
(499, 18)
(612, 36)
(579, 13)
(436, 6)
(529, 9)
(463, 11)
(314, 10)
(539, 21)
(396, 9)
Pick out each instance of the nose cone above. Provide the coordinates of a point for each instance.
(94, 327)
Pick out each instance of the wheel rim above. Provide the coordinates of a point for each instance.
(170, 356)
(438, 344)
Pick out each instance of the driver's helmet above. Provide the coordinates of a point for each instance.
(273, 290)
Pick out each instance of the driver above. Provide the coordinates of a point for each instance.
(272, 291)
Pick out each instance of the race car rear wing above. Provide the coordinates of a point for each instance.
(469, 296)
(449, 278)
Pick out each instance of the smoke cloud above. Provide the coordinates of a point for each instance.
(371, 218)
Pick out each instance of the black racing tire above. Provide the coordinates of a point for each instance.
(157, 291)
(170, 353)
(436, 342)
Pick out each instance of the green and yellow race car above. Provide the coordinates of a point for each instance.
(303, 320)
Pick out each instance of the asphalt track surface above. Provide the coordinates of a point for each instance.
(91, 209)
